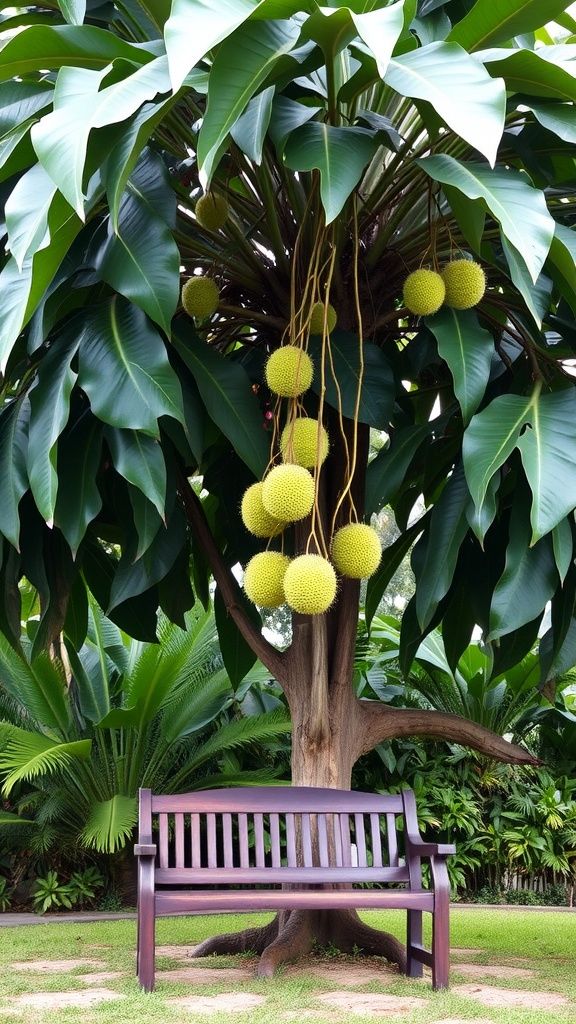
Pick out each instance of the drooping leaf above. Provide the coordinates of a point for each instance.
(250, 129)
(39, 47)
(237, 654)
(385, 474)
(542, 427)
(73, 10)
(138, 458)
(441, 545)
(50, 408)
(226, 392)
(135, 577)
(489, 23)
(519, 208)
(343, 371)
(340, 154)
(27, 209)
(79, 500)
(468, 350)
(117, 341)
(460, 89)
(14, 420)
(40, 688)
(242, 64)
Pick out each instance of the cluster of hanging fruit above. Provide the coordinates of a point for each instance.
(289, 491)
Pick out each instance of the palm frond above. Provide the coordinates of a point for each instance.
(261, 728)
(111, 823)
(28, 755)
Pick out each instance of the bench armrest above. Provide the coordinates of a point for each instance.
(421, 848)
(145, 850)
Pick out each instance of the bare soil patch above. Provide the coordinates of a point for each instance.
(371, 1004)
(494, 971)
(231, 1002)
(345, 974)
(58, 1000)
(100, 976)
(490, 995)
(205, 975)
(175, 952)
(56, 966)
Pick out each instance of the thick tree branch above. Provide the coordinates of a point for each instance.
(229, 589)
(379, 722)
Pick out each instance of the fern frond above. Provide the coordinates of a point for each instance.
(111, 823)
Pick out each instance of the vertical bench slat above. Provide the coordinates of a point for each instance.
(291, 841)
(360, 840)
(227, 839)
(211, 837)
(259, 840)
(243, 837)
(392, 840)
(163, 832)
(376, 841)
(306, 841)
(179, 838)
(323, 846)
(275, 840)
(336, 829)
(346, 840)
(195, 840)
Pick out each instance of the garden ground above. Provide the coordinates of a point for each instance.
(507, 968)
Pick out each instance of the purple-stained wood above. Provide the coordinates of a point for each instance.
(302, 838)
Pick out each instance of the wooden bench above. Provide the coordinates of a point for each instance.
(194, 847)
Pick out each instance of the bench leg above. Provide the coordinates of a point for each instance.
(413, 938)
(441, 941)
(145, 955)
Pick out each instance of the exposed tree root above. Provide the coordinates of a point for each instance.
(293, 934)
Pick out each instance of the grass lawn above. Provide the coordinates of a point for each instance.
(540, 943)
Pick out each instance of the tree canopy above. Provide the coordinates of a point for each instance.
(348, 147)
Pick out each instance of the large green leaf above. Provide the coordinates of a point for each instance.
(26, 210)
(197, 26)
(342, 377)
(135, 577)
(238, 656)
(227, 393)
(441, 547)
(287, 115)
(79, 500)
(559, 118)
(119, 344)
(528, 581)
(340, 154)
(519, 208)
(543, 427)
(142, 261)
(562, 263)
(468, 350)
(250, 129)
(386, 473)
(21, 101)
(459, 88)
(73, 11)
(490, 22)
(13, 472)
(546, 72)
(39, 47)
(138, 458)
(50, 408)
(242, 64)
(80, 104)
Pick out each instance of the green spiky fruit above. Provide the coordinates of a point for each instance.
(465, 284)
(211, 211)
(299, 443)
(264, 578)
(356, 550)
(200, 297)
(254, 515)
(289, 371)
(310, 584)
(288, 492)
(317, 318)
(424, 292)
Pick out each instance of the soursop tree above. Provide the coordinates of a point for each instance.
(317, 168)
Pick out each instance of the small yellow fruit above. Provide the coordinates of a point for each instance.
(288, 492)
(200, 297)
(254, 515)
(264, 578)
(299, 442)
(211, 211)
(424, 292)
(356, 550)
(310, 584)
(289, 371)
(465, 284)
(317, 318)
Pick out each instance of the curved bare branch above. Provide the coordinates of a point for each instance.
(379, 722)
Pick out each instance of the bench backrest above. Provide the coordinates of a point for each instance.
(274, 835)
